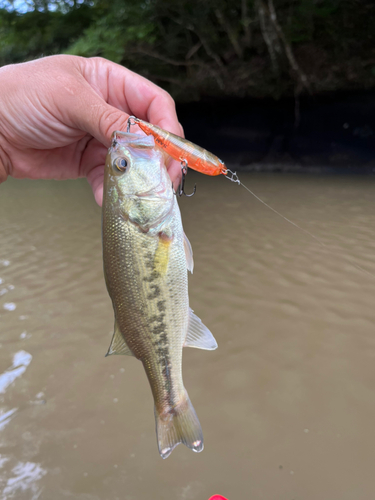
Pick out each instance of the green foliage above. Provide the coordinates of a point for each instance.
(115, 26)
(37, 33)
(196, 47)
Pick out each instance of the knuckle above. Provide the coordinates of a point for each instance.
(98, 60)
(112, 120)
(169, 99)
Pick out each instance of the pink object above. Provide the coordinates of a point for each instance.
(217, 497)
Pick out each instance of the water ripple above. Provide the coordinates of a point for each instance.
(21, 361)
(24, 479)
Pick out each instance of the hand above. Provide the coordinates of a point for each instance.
(57, 115)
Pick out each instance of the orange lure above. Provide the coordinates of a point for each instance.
(180, 149)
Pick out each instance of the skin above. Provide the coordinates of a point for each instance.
(57, 115)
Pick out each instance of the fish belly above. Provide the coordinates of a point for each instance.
(150, 300)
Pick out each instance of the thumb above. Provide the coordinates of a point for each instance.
(96, 117)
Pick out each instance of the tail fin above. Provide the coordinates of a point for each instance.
(179, 425)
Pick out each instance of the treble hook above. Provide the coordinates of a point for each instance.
(131, 121)
(184, 169)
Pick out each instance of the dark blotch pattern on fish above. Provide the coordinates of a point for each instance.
(160, 326)
(156, 292)
(149, 260)
(161, 305)
(152, 277)
(164, 361)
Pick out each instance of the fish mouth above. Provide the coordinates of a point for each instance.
(129, 139)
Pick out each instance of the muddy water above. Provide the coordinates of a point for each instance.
(287, 402)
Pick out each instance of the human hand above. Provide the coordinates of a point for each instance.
(57, 115)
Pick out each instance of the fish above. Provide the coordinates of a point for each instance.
(146, 257)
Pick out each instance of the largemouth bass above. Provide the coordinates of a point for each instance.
(146, 257)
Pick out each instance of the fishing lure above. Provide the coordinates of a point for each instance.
(188, 153)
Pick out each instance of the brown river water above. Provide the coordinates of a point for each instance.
(287, 401)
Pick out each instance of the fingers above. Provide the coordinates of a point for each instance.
(119, 93)
(96, 181)
(92, 167)
(174, 171)
(112, 93)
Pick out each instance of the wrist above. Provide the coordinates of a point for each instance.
(6, 85)
(4, 162)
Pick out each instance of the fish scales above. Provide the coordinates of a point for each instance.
(146, 255)
(144, 302)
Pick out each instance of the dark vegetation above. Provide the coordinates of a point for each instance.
(206, 48)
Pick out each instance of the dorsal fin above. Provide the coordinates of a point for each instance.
(198, 335)
(118, 344)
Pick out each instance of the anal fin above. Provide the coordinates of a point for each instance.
(198, 335)
(118, 344)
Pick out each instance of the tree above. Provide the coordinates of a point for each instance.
(211, 47)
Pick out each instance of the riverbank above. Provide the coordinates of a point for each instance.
(325, 134)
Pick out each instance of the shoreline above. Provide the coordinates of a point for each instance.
(336, 132)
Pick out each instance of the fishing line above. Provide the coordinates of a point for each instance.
(234, 178)
(281, 215)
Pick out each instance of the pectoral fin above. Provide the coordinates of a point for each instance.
(118, 344)
(199, 335)
(188, 254)
(162, 253)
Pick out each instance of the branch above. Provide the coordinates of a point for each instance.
(228, 29)
(165, 79)
(167, 60)
(268, 36)
(204, 42)
(172, 62)
(287, 47)
(245, 23)
(208, 49)
(193, 50)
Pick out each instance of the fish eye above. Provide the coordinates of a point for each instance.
(120, 164)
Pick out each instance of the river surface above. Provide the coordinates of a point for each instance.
(287, 401)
